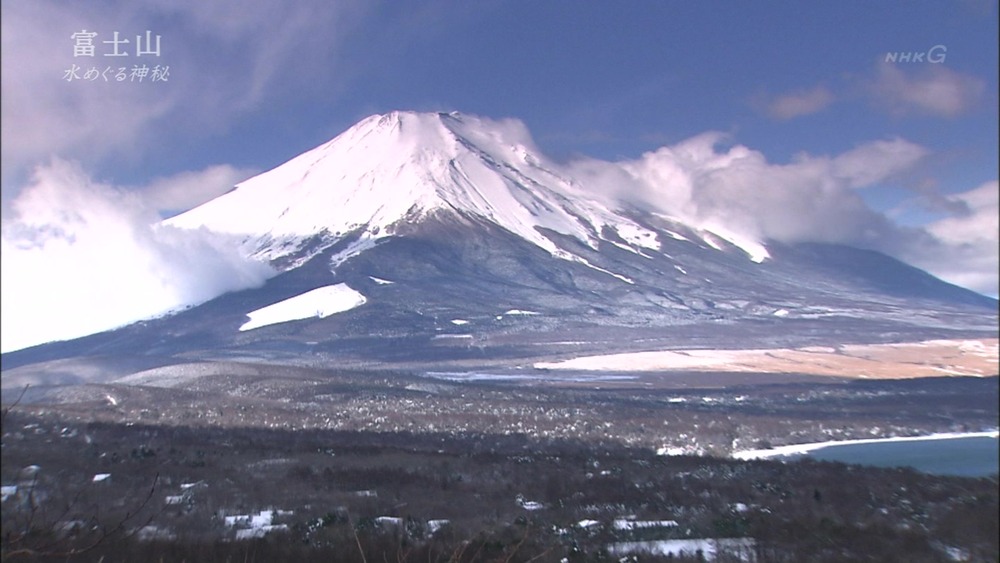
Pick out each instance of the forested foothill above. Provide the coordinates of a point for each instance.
(411, 469)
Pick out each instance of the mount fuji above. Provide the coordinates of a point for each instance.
(389, 171)
(420, 240)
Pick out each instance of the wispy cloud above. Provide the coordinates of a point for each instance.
(225, 58)
(177, 193)
(875, 161)
(932, 89)
(897, 89)
(797, 104)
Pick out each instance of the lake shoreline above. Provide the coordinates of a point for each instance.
(801, 449)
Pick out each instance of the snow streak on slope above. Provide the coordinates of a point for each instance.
(755, 250)
(318, 303)
(396, 168)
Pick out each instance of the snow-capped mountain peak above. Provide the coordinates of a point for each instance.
(420, 237)
(400, 167)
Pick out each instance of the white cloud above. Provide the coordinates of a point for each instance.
(797, 104)
(932, 90)
(873, 162)
(969, 250)
(979, 223)
(185, 190)
(79, 257)
(811, 199)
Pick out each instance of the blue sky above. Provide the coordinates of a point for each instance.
(254, 83)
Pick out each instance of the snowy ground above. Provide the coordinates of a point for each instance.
(739, 548)
(575, 378)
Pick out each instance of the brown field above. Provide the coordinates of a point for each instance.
(933, 358)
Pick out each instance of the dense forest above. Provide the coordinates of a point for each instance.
(105, 491)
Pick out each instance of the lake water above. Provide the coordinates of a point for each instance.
(977, 456)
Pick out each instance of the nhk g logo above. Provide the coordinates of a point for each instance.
(934, 55)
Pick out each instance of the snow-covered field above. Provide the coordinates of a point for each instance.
(710, 549)
(576, 378)
(320, 302)
(249, 526)
(976, 358)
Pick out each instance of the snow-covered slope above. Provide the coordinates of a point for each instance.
(318, 303)
(393, 169)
